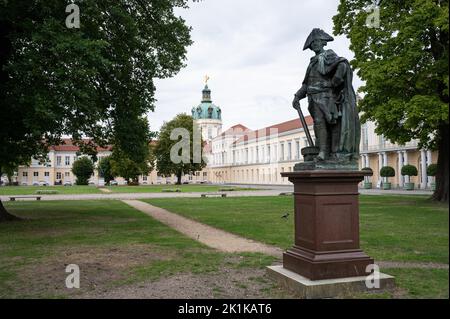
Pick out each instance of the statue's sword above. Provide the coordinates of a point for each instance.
(305, 127)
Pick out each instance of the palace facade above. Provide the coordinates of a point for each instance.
(240, 155)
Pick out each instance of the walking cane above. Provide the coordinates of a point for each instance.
(305, 127)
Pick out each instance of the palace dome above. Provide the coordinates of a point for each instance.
(206, 109)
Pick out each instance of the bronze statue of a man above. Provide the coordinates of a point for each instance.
(332, 102)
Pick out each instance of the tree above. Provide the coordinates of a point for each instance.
(95, 81)
(432, 170)
(129, 169)
(404, 63)
(387, 171)
(409, 170)
(83, 168)
(104, 168)
(9, 171)
(166, 148)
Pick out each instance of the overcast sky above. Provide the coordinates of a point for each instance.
(252, 52)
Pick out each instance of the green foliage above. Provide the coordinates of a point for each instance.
(387, 171)
(165, 165)
(83, 168)
(94, 81)
(367, 169)
(409, 170)
(105, 169)
(129, 169)
(46, 192)
(404, 64)
(432, 170)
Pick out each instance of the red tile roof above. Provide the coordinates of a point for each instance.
(275, 129)
(237, 129)
(68, 146)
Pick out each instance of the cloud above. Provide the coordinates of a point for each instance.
(252, 51)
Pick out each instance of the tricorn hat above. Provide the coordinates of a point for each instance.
(317, 34)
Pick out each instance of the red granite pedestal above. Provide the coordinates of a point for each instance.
(326, 225)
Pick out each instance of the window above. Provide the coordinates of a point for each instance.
(305, 141)
(297, 149)
(46, 174)
(58, 175)
(381, 141)
(67, 160)
(276, 153)
(209, 132)
(25, 174)
(144, 178)
(35, 174)
(365, 137)
(268, 153)
(67, 174)
(58, 160)
(282, 152)
(289, 154)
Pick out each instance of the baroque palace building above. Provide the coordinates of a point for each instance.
(240, 155)
(244, 156)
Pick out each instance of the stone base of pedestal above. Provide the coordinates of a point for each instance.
(326, 288)
(327, 265)
(326, 239)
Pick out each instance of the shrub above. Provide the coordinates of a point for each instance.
(367, 169)
(171, 190)
(387, 171)
(83, 169)
(409, 170)
(432, 170)
(46, 192)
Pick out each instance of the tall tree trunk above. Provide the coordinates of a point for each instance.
(179, 174)
(5, 216)
(442, 176)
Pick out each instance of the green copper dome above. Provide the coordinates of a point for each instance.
(206, 109)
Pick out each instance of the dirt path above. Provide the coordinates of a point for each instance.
(207, 235)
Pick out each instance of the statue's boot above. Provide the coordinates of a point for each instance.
(320, 131)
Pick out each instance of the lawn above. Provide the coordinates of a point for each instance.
(117, 246)
(31, 190)
(113, 244)
(393, 228)
(400, 228)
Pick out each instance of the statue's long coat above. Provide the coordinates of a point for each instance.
(340, 71)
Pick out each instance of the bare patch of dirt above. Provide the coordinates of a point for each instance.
(245, 283)
(99, 269)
